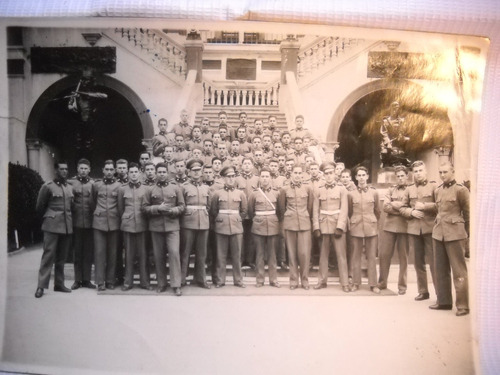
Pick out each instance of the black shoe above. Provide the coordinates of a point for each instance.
(62, 288)
(252, 266)
(88, 284)
(203, 285)
(110, 286)
(401, 292)
(39, 292)
(101, 288)
(161, 289)
(275, 284)
(147, 287)
(126, 287)
(240, 284)
(440, 307)
(422, 296)
(178, 292)
(320, 286)
(284, 266)
(346, 289)
(76, 285)
(354, 287)
(375, 289)
(218, 285)
(306, 287)
(462, 312)
(293, 287)
(259, 285)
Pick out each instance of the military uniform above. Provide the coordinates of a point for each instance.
(170, 168)
(160, 141)
(183, 129)
(296, 201)
(420, 230)
(54, 202)
(195, 223)
(330, 218)
(364, 213)
(394, 234)
(181, 153)
(164, 228)
(228, 208)
(193, 143)
(134, 226)
(265, 229)
(106, 225)
(449, 235)
(83, 247)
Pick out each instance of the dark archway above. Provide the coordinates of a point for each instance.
(116, 130)
(359, 131)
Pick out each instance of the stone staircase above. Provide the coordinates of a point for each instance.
(253, 112)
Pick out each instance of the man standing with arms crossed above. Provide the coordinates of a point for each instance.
(449, 236)
(82, 225)
(54, 203)
(420, 210)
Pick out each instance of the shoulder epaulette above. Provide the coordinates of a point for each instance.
(49, 182)
(414, 184)
(434, 182)
(98, 179)
(372, 187)
(440, 185)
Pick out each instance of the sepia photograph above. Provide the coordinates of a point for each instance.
(191, 195)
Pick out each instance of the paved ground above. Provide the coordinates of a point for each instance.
(227, 334)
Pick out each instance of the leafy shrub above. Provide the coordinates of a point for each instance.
(24, 185)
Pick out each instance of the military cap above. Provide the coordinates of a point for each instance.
(194, 164)
(327, 166)
(227, 170)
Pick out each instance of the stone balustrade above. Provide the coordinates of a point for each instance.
(240, 97)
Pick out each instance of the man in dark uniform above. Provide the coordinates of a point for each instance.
(195, 223)
(330, 222)
(265, 229)
(183, 128)
(162, 139)
(54, 203)
(164, 203)
(82, 225)
(228, 208)
(106, 225)
(133, 226)
(364, 213)
(122, 178)
(394, 234)
(420, 209)
(169, 160)
(448, 237)
(295, 205)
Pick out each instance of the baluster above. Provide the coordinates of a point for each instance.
(212, 96)
(259, 98)
(240, 98)
(253, 99)
(245, 97)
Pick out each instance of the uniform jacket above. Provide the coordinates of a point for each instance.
(105, 205)
(54, 202)
(264, 225)
(82, 207)
(228, 199)
(452, 220)
(159, 142)
(193, 143)
(247, 183)
(182, 129)
(133, 219)
(163, 192)
(395, 222)
(420, 193)
(364, 212)
(334, 200)
(196, 195)
(296, 201)
(278, 181)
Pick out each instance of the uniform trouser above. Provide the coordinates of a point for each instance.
(234, 243)
(120, 255)
(55, 249)
(169, 241)
(105, 245)
(198, 239)
(371, 255)
(388, 241)
(212, 254)
(135, 245)
(298, 244)
(315, 250)
(248, 249)
(348, 240)
(422, 248)
(446, 254)
(280, 248)
(329, 240)
(83, 248)
(265, 245)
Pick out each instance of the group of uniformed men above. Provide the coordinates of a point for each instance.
(264, 196)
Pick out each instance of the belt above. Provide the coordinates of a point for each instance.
(197, 207)
(229, 211)
(326, 212)
(265, 213)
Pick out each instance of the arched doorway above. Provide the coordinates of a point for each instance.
(116, 129)
(356, 124)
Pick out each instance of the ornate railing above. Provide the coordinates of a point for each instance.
(319, 54)
(171, 56)
(240, 97)
(228, 37)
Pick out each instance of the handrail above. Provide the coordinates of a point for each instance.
(266, 96)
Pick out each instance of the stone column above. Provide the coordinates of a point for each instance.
(289, 49)
(33, 146)
(330, 148)
(194, 54)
